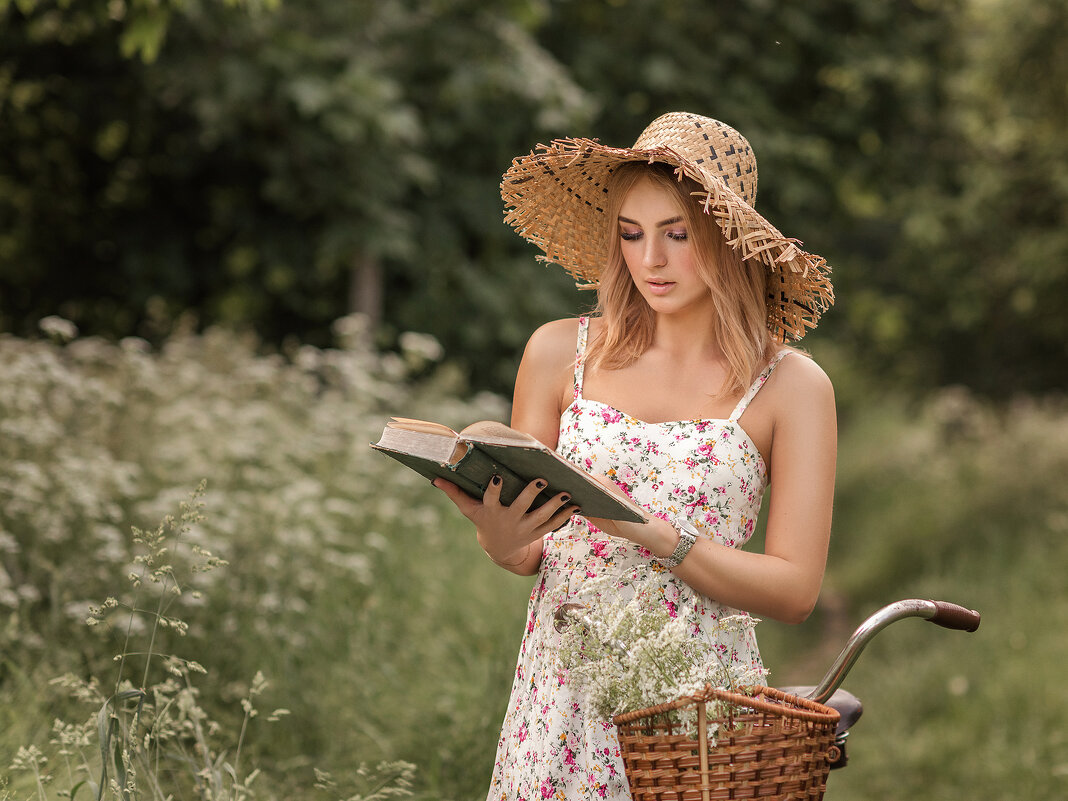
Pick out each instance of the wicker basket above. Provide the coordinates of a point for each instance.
(769, 745)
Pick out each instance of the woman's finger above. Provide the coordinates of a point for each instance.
(548, 510)
(464, 502)
(559, 520)
(492, 495)
(639, 533)
(525, 499)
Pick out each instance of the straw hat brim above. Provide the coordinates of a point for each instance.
(555, 197)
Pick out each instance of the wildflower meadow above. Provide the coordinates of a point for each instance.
(210, 587)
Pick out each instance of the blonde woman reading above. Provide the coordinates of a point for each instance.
(680, 392)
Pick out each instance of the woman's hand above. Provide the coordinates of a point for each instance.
(506, 533)
(657, 535)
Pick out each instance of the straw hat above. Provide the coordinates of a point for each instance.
(555, 198)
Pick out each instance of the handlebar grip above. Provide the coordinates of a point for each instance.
(952, 616)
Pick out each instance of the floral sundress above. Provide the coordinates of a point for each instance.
(708, 471)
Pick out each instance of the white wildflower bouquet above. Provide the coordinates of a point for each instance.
(629, 650)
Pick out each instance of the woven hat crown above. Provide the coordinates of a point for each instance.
(709, 146)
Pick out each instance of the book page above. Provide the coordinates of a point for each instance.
(498, 433)
(435, 445)
(422, 426)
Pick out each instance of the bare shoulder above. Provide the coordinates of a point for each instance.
(551, 348)
(543, 384)
(800, 388)
(800, 372)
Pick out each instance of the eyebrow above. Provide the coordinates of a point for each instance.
(672, 221)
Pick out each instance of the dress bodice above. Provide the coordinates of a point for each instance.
(707, 471)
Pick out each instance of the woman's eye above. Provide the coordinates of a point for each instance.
(678, 236)
(630, 236)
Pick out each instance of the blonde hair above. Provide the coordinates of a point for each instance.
(737, 290)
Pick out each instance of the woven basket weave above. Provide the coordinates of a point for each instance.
(769, 745)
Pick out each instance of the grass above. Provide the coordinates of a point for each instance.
(947, 499)
(382, 628)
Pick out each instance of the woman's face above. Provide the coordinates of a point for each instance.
(658, 251)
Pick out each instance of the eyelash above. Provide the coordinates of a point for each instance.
(678, 236)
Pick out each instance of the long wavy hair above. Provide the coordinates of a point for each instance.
(737, 290)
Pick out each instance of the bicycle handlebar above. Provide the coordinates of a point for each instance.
(943, 613)
(951, 616)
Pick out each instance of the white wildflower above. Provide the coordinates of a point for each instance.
(58, 328)
(351, 330)
(376, 541)
(8, 597)
(629, 653)
(420, 349)
(134, 345)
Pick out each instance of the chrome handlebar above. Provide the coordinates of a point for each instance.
(942, 613)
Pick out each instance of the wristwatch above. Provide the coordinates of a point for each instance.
(687, 537)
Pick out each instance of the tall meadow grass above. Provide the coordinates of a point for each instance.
(354, 597)
(949, 498)
(337, 561)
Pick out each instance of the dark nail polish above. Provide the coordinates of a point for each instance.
(540, 484)
(566, 499)
(496, 481)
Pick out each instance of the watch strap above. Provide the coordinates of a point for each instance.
(687, 537)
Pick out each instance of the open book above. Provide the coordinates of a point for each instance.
(470, 458)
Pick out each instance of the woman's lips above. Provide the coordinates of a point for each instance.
(660, 287)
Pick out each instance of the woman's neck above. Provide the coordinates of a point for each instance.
(686, 340)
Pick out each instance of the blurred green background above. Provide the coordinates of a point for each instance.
(256, 228)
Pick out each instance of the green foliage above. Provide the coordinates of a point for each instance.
(387, 780)
(918, 146)
(264, 160)
(928, 454)
(152, 716)
(277, 165)
(985, 235)
(951, 499)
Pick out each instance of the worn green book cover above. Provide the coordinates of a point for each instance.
(470, 458)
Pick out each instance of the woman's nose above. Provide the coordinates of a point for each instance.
(653, 253)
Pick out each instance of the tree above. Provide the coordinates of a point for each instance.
(265, 165)
(985, 239)
(276, 166)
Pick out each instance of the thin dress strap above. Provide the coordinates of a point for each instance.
(580, 354)
(754, 388)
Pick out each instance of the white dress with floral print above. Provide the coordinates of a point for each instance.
(708, 471)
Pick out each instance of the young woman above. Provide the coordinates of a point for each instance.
(680, 393)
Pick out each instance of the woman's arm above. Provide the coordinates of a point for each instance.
(511, 535)
(783, 582)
